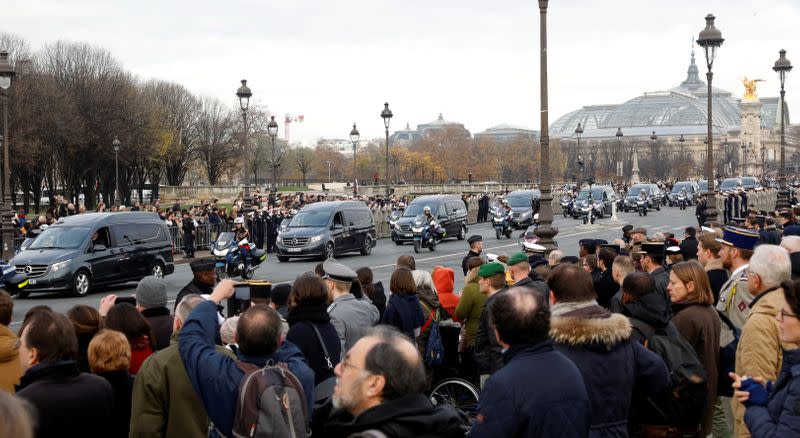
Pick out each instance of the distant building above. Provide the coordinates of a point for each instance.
(426, 130)
(340, 145)
(505, 132)
(405, 136)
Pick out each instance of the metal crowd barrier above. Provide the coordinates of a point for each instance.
(203, 236)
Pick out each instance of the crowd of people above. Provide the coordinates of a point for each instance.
(646, 336)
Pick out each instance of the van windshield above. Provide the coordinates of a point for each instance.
(60, 238)
(413, 210)
(519, 201)
(315, 219)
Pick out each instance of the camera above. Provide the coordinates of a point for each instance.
(245, 293)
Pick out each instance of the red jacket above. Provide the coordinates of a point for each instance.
(444, 280)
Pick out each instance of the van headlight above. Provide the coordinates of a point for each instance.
(55, 267)
(279, 239)
(315, 239)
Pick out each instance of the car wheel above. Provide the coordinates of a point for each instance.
(462, 234)
(328, 254)
(81, 283)
(366, 246)
(283, 259)
(157, 271)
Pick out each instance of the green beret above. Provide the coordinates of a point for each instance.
(517, 258)
(491, 269)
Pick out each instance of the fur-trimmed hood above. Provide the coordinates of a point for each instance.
(579, 331)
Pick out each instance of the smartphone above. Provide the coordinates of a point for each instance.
(242, 291)
(129, 300)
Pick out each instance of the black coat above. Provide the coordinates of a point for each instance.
(689, 248)
(161, 323)
(68, 402)
(409, 416)
(769, 236)
(194, 287)
(301, 334)
(605, 287)
(649, 309)
(122, 387)
(466, 258)
(661, 280)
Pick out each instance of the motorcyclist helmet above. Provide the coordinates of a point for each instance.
(505, 201)
(43, 227)
(401, 205)
(426, 209)
(642, 192)
(238, 221)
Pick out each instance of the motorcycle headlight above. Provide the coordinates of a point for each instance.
(525, 214)
(60, 265)
(416, 229)
(315, 239)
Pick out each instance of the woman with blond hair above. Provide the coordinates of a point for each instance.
(110, 358)
(697, 321)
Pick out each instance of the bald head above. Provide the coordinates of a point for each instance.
(391, 354)
(520, 317)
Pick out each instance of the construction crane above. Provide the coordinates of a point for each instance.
(288, 120)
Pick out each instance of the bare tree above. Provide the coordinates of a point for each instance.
(218, 148)
(303, 157)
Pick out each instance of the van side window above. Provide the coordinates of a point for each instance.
(337, 219)
(100, 237)
(441, 212)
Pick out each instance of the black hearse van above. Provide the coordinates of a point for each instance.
(448, 210)
(87, 250)
(325, 229)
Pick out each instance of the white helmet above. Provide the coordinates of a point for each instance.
(426, 209)
(401, 205)
(43, 227)
(238, 220)
(505, 201)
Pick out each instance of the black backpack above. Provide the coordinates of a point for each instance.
(685, 405)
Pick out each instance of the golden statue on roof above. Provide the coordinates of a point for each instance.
(750, 88)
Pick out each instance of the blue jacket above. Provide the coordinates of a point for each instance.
(781, 416)
(612, 365)
(516, 403)
(215, 376)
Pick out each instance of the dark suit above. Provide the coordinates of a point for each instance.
(689, 247)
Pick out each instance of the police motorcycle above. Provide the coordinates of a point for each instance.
(566, 205)
(427, 233)
(529, 236)
(590, 209)
(394, 216)
(502, 221)
(230, 256)
(642, 203)
(683, 199)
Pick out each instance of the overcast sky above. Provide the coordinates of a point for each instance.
(477, 62)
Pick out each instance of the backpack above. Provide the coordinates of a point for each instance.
(434, 350)
(685, 404)
(271, 403)
(727, 359)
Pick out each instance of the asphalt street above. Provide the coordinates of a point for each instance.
(382, 261)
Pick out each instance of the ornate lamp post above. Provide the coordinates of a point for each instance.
(354, 136)
(710, 39)
(244, 95)
(653, 138)
(782, 66)
(578, 133)
(546, 231)
(386, 115)
(7, 74)
(272, 130)
(116, 145)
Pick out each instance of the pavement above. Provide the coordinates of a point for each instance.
(382, 260)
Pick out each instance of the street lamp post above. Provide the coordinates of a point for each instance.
(653, 138)
(578, 133)
(354, 136)
(244, 95)
(546, 232)
(7, 74)
(710, 39)
(329, 171)
(115, 145)
(386, 115)
(744, 159)
(272, 130)
(783, 66)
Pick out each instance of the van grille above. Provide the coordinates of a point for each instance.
(295, 242)
(405, 227)
(33, 271)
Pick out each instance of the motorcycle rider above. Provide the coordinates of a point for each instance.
(434, 227)
(240, 233)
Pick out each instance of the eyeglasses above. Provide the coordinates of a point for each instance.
(784, 314)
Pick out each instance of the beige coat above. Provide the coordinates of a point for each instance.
(760, 351)
(10, 366)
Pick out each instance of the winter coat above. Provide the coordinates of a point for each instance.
(537, 285)
(405, 313)
(301, 333)
(512, 404)
(717, 276)
(700, 326)
(760, 351)
(194, 287)
(612, 365)
(769, 236)
(164, 402)
(469, 309)
(161, 323)
(67, 402)
(661, 280)
(781, 416)
(216, 377)
(10, 367)
(466, 258)
(488, 352)
(651, 310)
(122, 388)
(689, 248)
(352, 317)
(429, 304)
(412, 415)
(605, 287)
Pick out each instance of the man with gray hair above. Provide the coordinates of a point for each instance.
(555, 258)
(164, 402)
(759, 352)
(791, 244)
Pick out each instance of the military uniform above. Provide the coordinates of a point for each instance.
(734, 298)
(471, 253)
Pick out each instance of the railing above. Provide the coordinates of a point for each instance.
(203, 236)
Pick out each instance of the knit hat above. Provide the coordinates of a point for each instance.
(444, 280)
(151, 292)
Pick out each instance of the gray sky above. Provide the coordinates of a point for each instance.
(476, 62)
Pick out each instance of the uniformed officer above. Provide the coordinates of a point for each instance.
(349, 315)
(205, 278)
(475, 249)
(188, 235)
(737, 248)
